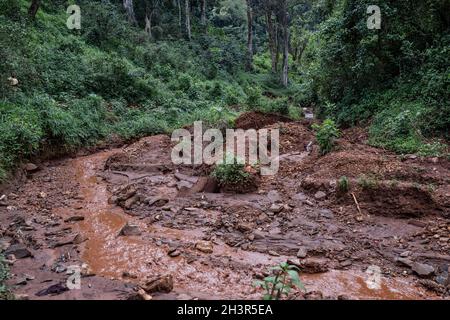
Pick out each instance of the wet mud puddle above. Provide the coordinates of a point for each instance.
(224, 274)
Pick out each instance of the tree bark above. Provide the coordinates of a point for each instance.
(34, 7)
(188, 20)
(129, 8)
(148, 24)
(285, 25)
(272, 41)
(249, 35)
(203, 15)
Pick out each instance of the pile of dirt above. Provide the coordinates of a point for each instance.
(258, 120)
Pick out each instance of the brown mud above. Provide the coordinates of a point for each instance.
(214, 245)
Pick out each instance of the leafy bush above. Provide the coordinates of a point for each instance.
(326, 135)
(280, 283)
(231, 174)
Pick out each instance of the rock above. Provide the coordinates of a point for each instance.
(5, 242)
(174, 253)
(183, 185)
(244, 227)
(204, 246)
(422, 270)
(159, 284)
(79, 238)
(21, 296)
(326, 213)
(346, 263)
(53, 290)
(299, 197)
(314, 295)
(184, 296)
(273, 253)
(183, 177)
(405, 262)
(31, 167)
(131, 201)
(59, 268)
(145, 296)
(405, 254)
(314, 265)
(276, 208)
(320, 195)
(443, 279)
(156, 201)
(274, 196)
(21, 281)
(302, 253)
(258, 235)
(432, 286)
(130, 230)
(19, 251)
(74, 219)
(3, 201)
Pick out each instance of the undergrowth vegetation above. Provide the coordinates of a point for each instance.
(77, 87)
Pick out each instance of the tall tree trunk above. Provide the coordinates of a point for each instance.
(148, 23)
(34, 7)
(188, 19)
(272, 41)
(203, 15)
(249, 35)
(179, 15)
(129, 8)
(285, 25)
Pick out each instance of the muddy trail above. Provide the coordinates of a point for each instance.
(139, 227)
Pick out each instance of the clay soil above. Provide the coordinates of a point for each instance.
(205, 244)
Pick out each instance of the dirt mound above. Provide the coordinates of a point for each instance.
(258, 120)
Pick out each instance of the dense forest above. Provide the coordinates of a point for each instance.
(140, 67)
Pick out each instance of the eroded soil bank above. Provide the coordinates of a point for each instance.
(128, 215)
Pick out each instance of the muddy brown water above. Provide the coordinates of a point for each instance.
(110, 256)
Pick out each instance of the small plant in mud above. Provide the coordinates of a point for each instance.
(343, 184)
(326, 135)
(235, 177)
(283, 279)
(367, 182)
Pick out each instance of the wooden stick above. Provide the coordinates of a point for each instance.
(357, 204)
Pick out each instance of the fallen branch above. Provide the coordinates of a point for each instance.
(357, 204)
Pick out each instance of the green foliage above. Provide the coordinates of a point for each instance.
(231, 174)
(343, 184)
(326, 135)
(4, 274)
(283, 279)
(367, 181)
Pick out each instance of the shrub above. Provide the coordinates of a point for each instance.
(326, 135)
(231, 174)
(343, 184)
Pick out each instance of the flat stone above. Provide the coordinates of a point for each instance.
(326, 213)
(74, 219)
(320, 195)
(274, 196)
(159, 284)
(314, 265)
(130, 230)
(204, 246)
(299, 197)
(302, 253)
(276, 208)
(422, 270)
(405, 262)
(31, 167)
(273, 253)
(19, 251)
